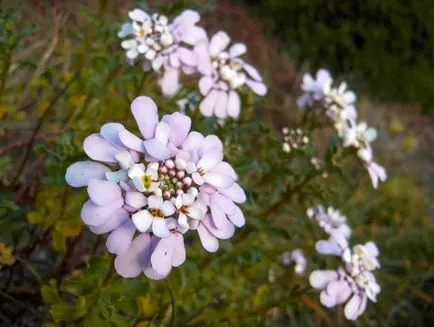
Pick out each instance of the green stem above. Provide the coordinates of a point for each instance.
(173, 304)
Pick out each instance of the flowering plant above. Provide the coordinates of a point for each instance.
(155, 140)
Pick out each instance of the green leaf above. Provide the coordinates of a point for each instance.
(69, 311)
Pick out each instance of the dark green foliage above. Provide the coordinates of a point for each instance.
(387, 46)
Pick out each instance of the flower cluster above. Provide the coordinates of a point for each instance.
(170, 48)
(166, 47)
(223, 74)
(354, 278)
(294, 139)
(339, 105)
(353, 281)
(155, 189)
(330, 220)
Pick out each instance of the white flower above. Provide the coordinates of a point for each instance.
(314, 88)
(154, 216)
(205, 171)
(330, 220)
(145, 180)
(354, 282)
(187, 208)
(298, 258)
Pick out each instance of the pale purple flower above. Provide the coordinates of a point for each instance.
(297, 257)
(330, 220)
(223, 74)
(147, 198)
(353, 283)
(164, 46)
(314, 88)
(376, 172)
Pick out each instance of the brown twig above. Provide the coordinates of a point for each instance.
(20, 143)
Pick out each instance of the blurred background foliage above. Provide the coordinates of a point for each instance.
(386, 46)
(63, 74)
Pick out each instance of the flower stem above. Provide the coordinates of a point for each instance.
(173, 304)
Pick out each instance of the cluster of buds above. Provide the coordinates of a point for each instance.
(294, 139)
(339, 105)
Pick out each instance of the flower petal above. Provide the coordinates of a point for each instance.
(95, 215)
(219, 181)
(110, 132)
(209, 242)
(235, 193)
(131, 141)
(131, 263)
(207, 105)
(145, 113)
(135, 199)
(237, 218)
(159, 228)
(210, 159)
(161, 258)
(116, 220)
(179, 254)
(79, 173)
(237, 49)
(120, 239)
(187, 56)
(320, 278)
(168, 208)
(257, 87)
(253, 73)
(103, 192)
(205, 85)
(97, 148)
(234, 104)
(170, 82)
(218, 43)
(221, 104)
(142, 220)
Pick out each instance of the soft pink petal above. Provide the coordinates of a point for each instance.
(145, 113)
(103, 192)
(257, 87)
(161, 258)
(235, 193)
(205, 85)
(320, 278)
(237, 218)
(188, 57)
(210, 159)
(218, 43)
(117, 219)
(207, 105)
(179, 254)
(225, 204)
(135, 199)
(119, 240)
(131, 141)
(170, 82)
(97, 148)
(95, 215)
(218, 217)
(234, 104)
(221, 105)
(79, 173)
(253, 73)
(219, 181)
(110, 132)
(131, 263)
(209, 242)
(237, 49)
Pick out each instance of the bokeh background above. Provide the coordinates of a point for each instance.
(384, 49)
